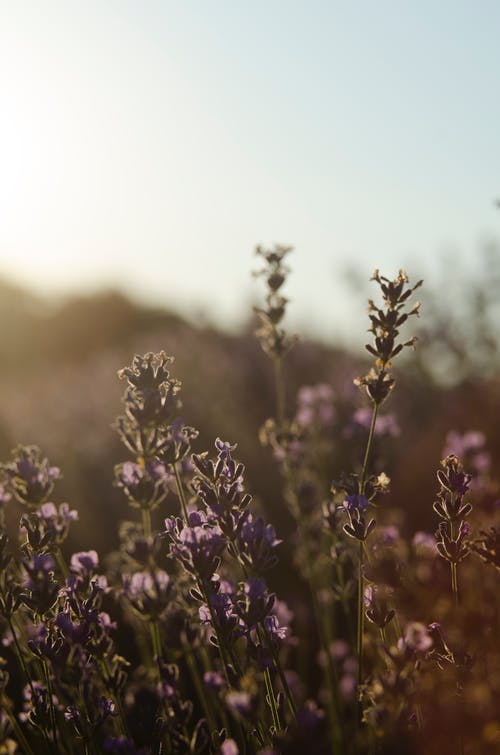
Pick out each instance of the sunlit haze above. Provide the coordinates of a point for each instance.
(151, 145)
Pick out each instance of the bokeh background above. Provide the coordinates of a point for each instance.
(146, 148)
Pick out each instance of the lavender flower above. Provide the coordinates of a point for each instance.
(385, 324)
(219, 485)
(356, 503)
(416, 638)
(37, 703)
(5, 496)
(377, 599)
(214, 680)
(229, 747)
(358, 527)
(145, 485)
(197, 547)
(57, 520)
(273, 339)
(386, 424)
(39, 581)
(424, 544)
(151, 398)
(149, 593)
(240, 703)
(275, 632)
(84, 563)
(470, 447)
(76, 631)
(254, 603)
(315, 406)
(150, 427)
(453, 547)
(31, 476)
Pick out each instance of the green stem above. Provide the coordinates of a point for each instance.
(220, 645)
(359, 643)
(195, 675)
(155, 638)
(272, 701)
(146, 522)
(280, 392)
(182, 496)
(454, 582)
(51, 702)
(325, 631)
(368, 449)
(61, 563)
(26, 748)
(420, 717)
(207, 666)
(117, 698)
(364, 472)
(454, 589)
(21, 659)
(281, 674)
(28, 678)
(274, 653)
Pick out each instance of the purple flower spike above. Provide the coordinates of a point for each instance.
(32, 478)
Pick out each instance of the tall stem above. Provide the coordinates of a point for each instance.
(180, 491)
(280, 391)
(281, 673)
(368, 449)
(155, 638)
(21, 660)
(454, 589)
(325, 635)
(220, 645)
(454, 582)
(116, 696)
(27, 750)
(359, 643)
(195, 675)
(51, 702)
(28, 678)
(360, 624)
(272, 701)
(146, 522)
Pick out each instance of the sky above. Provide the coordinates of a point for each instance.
(151, 145)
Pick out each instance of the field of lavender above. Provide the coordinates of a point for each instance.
(302, 556)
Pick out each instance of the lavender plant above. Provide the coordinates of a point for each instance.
(177, 642)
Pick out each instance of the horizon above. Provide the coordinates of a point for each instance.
(151, 148)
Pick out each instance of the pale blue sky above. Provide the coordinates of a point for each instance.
(151, 145)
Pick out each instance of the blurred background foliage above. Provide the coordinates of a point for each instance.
(59, 389)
